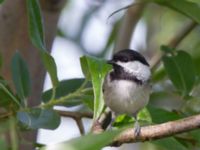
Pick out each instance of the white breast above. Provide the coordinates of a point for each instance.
(123, 96)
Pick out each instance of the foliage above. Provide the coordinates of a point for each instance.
(178, 77)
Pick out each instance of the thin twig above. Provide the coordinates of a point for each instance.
(81, 128)
(75, 114)
(5, 115)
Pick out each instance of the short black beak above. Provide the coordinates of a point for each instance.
(110, 62)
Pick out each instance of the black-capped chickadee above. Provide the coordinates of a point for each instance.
(126, 87)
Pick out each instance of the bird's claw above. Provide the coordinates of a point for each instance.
(137, 129)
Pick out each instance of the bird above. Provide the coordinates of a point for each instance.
(126, 87)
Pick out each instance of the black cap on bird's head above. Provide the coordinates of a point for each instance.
(128, 55)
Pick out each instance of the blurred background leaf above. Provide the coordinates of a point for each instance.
(169, 143)
(177, 69)
(1, 1)
(185, 7)
(8, 96)
(159, 115)
(89, 141)
(21, 77)
(39, 118)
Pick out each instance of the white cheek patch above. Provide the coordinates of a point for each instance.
(141, 71)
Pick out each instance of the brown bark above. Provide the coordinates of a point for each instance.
(14, 36)
(159, 131)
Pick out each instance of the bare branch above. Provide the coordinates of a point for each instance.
(79, 123)
(159, 131)
(77, 116)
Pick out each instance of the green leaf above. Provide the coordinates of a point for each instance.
(180, 69)
(144, 115)
(50, 65)
(88, 100)
(35, 23)
(122, 121)
(158, 75)
(84, 67)
(20, 76)
(167, 49)
(65, 87)
(37, 38)
(196, 135)
(144, 118)
(195, 1)
(87, 142)
(169, 143)
(95, 69)
(7, 95)
(1, 1)
(159, 115)
(3, 143)
(189, 9)
(39, 118)
(192, 106)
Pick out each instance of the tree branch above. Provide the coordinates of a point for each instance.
(71, 114)
(159, 131)
(77, 116)
(128, 25)
(174, 42)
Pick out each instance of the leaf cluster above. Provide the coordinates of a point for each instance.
(178, 71)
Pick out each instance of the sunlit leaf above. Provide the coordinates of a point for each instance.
(123, 120)
(180, 69)
(143, 117)
(39, 118)
(87, 142)
(96, 70)
(21, 77)
(84, 67)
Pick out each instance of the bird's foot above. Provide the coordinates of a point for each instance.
(137, 129)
